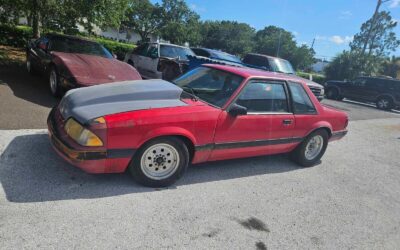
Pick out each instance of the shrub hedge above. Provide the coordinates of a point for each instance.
(18, 36)
(315, 77)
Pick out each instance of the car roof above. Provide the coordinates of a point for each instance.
(255, 73)
(169, 44)
(266, 56)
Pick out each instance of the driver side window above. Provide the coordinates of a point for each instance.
(360, 82)
(264, 97)
(152, 51)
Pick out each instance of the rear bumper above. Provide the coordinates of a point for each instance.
(90, 161)
(337, 135)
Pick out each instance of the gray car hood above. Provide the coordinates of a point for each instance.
(88, 103)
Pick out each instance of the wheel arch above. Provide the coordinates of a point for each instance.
(385, 95)
(321, 126)
(184, 135)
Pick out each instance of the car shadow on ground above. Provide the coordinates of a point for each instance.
(32, 88)
(30, 171)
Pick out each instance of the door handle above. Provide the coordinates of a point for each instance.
(287, 122)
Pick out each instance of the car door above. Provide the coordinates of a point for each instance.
(137, 56)
(149, 61)
(353, 89)
(265, 129)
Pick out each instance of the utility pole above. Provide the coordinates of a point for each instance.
(373, 21)
(312, 44)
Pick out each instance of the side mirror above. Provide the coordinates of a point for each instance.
(236, 110)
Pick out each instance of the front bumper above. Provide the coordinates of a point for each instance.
(90, 161)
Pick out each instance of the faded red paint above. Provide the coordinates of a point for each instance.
(92, 70)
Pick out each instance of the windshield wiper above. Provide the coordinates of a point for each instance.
(192, 93)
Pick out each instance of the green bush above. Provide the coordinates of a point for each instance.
(315, 77)
(17, 36)
(118, 48)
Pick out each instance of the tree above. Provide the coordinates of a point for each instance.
(179, 23)
(376, 36)
(391, 67)
(230, 36)
(275, 41)
(143, 18)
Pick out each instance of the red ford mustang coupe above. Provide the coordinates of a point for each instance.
(156, 128)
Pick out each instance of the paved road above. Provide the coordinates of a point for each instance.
(25, 101)
(350, 200)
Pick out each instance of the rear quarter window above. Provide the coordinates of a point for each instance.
(302, 103)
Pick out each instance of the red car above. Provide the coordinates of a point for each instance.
(72, 62)
(156, 128)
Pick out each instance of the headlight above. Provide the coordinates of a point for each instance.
(322, 91)
(81, 135)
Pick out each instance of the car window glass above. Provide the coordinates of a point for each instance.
(152, 51)
(43, 40)
(255, 60)
(359, 82)
(201, 52)
(174, 52)
(211, 85)
(264, 96)
(301, 101)
(142, 49)
(72, 45)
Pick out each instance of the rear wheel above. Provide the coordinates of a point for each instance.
(310, 151)
(54, 81)
(160, 162)
(29, 66)
(385, 103)
(333, 93)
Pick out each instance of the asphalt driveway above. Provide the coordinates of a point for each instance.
(350, 200)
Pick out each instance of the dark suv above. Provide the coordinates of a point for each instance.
(383, 91)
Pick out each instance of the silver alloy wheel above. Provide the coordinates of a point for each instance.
(383, 103)
(28, 65)
(159, 161)
(314, 147)
(53, 81)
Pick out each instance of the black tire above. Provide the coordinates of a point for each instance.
(29, 67)
(299, 154)
(170, 72)
(56, 89)
(333, 94)
(138, 171)
(384, 103)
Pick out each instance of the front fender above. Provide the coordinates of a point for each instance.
(168, 131)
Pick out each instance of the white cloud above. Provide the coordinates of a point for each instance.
(394, 4)
(340, 40)
(346, 14)
(295, 33)
(320, 38)
(195, 7)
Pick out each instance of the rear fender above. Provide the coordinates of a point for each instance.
(320, 125)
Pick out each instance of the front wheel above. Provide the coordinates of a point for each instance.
(160, 162)
(333, 93)
(385, 103)
(54, 81)
(310, 151)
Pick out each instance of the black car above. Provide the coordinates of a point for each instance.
(383, 91)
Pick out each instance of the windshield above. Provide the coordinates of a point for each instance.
(210, 85)
(281, 65)
(226, 57)
(174, 51)
(70, 45)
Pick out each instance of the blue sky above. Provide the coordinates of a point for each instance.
(331, 22)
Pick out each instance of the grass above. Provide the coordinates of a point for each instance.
(11, 56)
